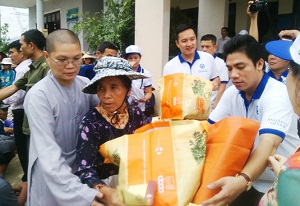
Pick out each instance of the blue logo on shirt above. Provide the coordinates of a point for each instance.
(202, 68)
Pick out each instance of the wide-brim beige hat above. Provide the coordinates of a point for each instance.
(6, 61)
(111, 66)
(88, 56)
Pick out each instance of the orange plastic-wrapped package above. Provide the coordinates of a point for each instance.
(169, 153)
(228, 147)
(179, 155)
(183, 96)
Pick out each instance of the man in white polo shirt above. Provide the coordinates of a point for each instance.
(208, 43)
(191, 61)
(254, 95)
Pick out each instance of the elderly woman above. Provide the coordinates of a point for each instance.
(111, 119)
(285, 190)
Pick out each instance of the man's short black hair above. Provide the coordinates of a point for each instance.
(209, 37)
(183, 27)
(106, 45)
(226, 28)
(246, 44)
(15, 44)
(36, 37)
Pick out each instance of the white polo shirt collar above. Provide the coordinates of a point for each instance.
(258, 91)
(182, 60)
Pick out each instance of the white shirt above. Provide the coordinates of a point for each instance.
(223, 75)
(271, 107)
(137, 89)
(221, 43)
(203, 66)
(16, 100)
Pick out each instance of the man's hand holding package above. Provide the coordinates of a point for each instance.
(231, 188)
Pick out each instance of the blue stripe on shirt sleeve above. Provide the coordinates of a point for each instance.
(210, 121)
(272, 131)
(214, 78)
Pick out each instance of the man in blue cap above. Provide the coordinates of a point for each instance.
(6, 126)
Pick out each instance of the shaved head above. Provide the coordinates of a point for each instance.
(60, 36)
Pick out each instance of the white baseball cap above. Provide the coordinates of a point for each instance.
(6, 61)
(243, 32)
(132, 49)
(295, 50)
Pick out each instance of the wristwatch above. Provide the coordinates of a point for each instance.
(247, 178)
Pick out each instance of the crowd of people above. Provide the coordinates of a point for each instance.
(66, 104)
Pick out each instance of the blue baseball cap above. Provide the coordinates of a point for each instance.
(280, 49)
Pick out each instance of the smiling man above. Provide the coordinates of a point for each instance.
(254, 95)
(55, 107)
(191, 61)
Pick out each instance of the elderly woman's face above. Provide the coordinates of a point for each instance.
(111, 92)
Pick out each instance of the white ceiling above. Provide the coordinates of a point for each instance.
(18, 3)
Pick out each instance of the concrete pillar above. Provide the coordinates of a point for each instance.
(212, 17)
(152, 23)
(40, 14)
(32, 17)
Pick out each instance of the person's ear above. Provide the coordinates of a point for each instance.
(260, 64)
(47, 57)
(31, 44)
(177, 43)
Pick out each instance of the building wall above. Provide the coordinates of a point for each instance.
(212, 17)
(63, 6)
(91, 6)
(242, 19)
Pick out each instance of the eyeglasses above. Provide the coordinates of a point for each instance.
(64, 62)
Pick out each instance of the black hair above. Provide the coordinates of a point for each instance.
(127, 55)
(209, 37)
(106, 45)
(36, 37)
(6, 158)
(295, 68)
(3, 55)
(245, 44)
(183, 27)
(15, 44)
(61, 36)
(226, 28)
(4, 109)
